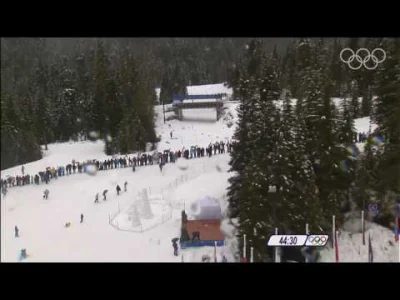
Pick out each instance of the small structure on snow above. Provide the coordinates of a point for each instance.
(144, 205)
(205, 230)
(134, 216)
(206, 208)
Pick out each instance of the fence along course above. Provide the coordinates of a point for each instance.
(164, 192)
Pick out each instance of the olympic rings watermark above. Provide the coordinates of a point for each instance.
(317, 240)
(370, 56)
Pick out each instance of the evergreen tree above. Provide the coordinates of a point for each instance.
(247, 89)
(18, 142)
(289, 70)
(355, 104)
(337, 69)
(323, 138)
(255, 156)
(302, 62)
(366, 103)
(254, 58)
(113, 114)
(388, 119)
(299, 201)
(100, 76)
(83, 91)
(366, 177)
(346, 123)
(234, 79)
(239, 190)
(166, 93)
(41, 110)
(131, 134)
(367, 76)
(241, 146)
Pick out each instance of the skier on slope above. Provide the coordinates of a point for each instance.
(96, 199)
(4, 190)
(125, 184)
(16, 231)
(23, 254)
(81, 218)
(46, 194)
(206, 258)
(105, 195)
(175, 246)
(118, 189)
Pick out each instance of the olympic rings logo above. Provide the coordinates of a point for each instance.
(363, 61)
(316, 240)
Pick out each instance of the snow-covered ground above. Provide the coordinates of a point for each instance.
(41, 222)
(351, 248)
(363, 125)
(198, 128)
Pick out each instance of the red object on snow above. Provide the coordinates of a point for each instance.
(209, 229)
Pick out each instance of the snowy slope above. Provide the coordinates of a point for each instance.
(59, 155)
(41, 222)
(363, 125)
(198, 128)
(351, 249)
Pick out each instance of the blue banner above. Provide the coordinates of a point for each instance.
(196, 244)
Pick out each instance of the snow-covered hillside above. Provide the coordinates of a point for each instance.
(42, 222)
(198, 128)
(363, 125)
(351, 248)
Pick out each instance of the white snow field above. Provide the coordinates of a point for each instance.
(351, 248)
(126, 228)
(41, 222)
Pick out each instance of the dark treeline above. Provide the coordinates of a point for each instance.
(58, 89)
(55, 89)
(297, 163)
